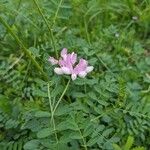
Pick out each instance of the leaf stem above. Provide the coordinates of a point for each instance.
(52, 114)
(84, 142)
(47, 24)
(57, 12)
(61, 96)
(86, 31)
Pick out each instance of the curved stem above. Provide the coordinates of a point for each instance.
(61, 96)
(86, 31)
(52, 114)
(47, 24)
(57, 12)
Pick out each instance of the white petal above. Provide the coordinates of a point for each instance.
(53, 61)
(89, 69)
(66, 70)
(58, 71)
(73, 57)
(82, 74)
(73, 76)
(64, 53)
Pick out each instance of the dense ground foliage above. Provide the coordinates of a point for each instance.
(107, 110)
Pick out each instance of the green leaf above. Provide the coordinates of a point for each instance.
(34, 51)
(116, 147)
(87, 131)
(75, 135)
(107, 132)
(32, 145)
(44, 133)
(41, 114)
(98, 129)
(92, 95)
(66, 125)
(78, 94)
(93, 141)
(138, 148)
(40, 93)
(62, 110)
(102, 102)
(129, 143)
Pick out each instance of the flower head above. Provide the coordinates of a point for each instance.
(67, 65)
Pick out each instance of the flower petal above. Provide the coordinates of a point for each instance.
(83, 62)
(73, 76)
(82, 74)
(89, 69)
(53, 61)
(64, 53)
(73, 58)
(66, 70)
(81, 66)
(58, 71)
(61, 62)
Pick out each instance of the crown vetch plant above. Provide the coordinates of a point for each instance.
(68, 65)
(110, 110)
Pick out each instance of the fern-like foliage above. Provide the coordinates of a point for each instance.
(96, 112)
(128, 145)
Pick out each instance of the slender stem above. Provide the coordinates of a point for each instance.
(47, 24)
(107, 111)
(27, 71)
(103, 63)
(57, 12)
(52, 114)
(86, 31)
(12, 65)
(84, 142)
(89, 42)
(24, 49)
(61, 96)
(49, 98)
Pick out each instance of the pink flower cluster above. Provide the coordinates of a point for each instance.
(67, 65)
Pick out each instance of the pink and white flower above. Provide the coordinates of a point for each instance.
(67, 65)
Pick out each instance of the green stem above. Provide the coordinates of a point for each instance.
(86, 31)
(52, 114)
(84, 142)
(61, 96)
(103, 63)
(24, 49)
(57, 12)
(47, 24)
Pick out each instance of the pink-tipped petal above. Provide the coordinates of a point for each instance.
(83, 62)
(82, 74)
(53, 61)
(81, 66)
(61, 62)
(64, 53)
(66, 70)
(73, 76)
(89, 69)
(58, 71)
(73, 58)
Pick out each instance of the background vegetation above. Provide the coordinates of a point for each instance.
(109, 109)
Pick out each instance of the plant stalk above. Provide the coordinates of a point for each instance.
(24, 49)
(47, 24)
